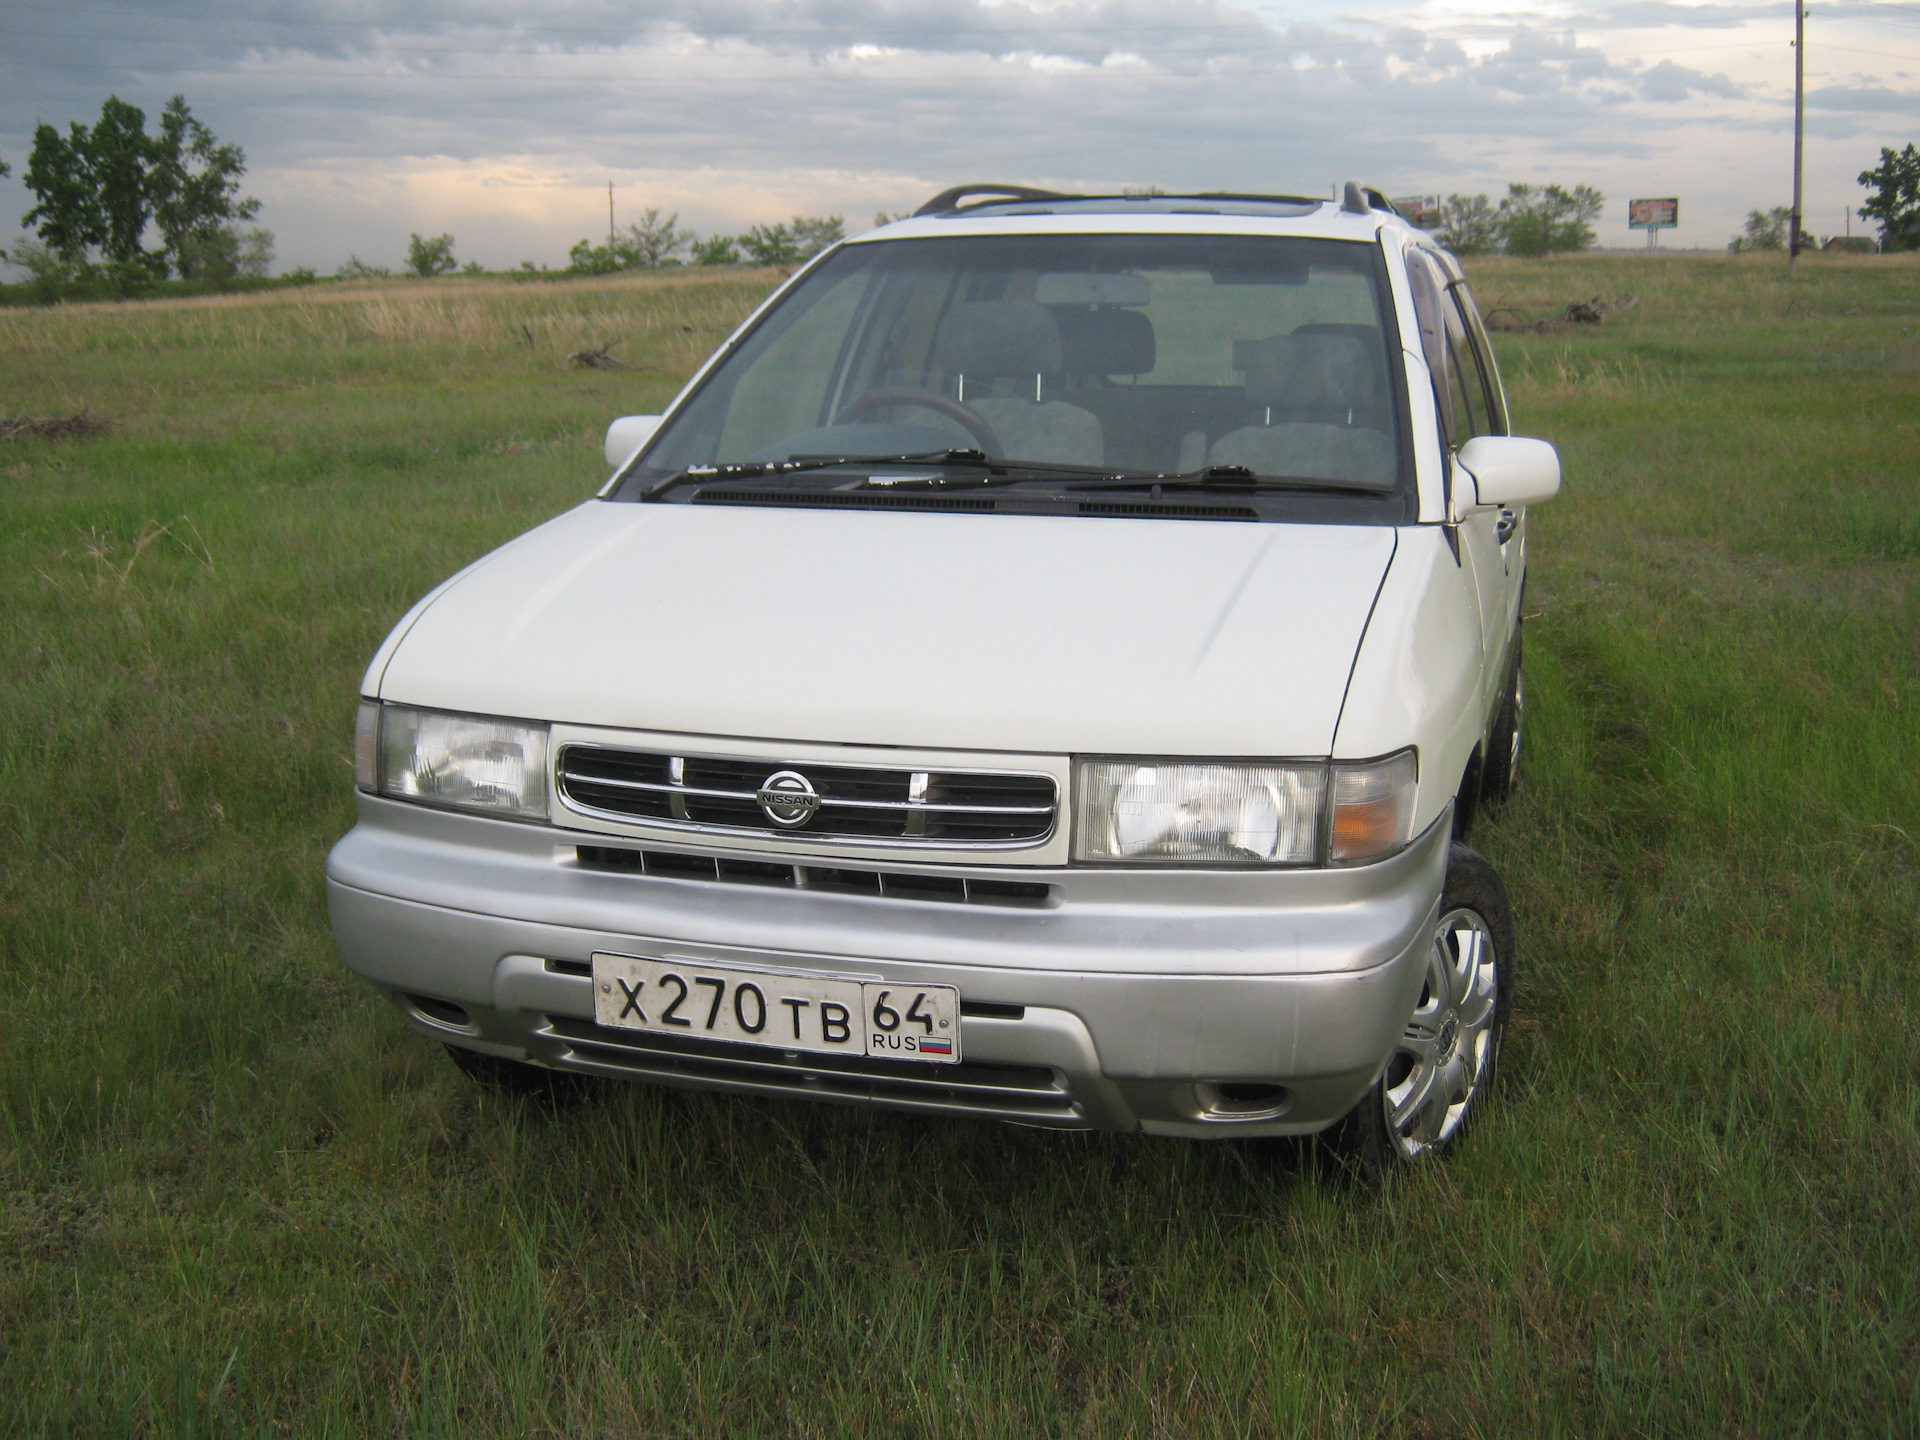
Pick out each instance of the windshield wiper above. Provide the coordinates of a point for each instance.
(1217, 477)
(778, 469)
(1010, 472)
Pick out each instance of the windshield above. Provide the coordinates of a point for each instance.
(1150, 355)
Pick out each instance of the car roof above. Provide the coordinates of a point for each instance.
(1011, 209)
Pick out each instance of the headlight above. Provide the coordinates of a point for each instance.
(1153, 811)
(466, 762)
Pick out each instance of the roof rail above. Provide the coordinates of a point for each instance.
(950, 199)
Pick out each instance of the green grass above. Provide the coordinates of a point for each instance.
(237, 1197)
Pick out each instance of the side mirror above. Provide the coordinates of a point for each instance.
(628, 434)
(1508, 470)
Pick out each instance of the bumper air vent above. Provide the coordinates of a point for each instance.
(947, 889)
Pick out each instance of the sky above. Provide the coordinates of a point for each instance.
(502, 124)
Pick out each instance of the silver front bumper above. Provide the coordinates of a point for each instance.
(1125, 1001)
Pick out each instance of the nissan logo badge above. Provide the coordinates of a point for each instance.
(788, 798)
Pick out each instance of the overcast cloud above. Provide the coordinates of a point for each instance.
(504, 123)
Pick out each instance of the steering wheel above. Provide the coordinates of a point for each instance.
(978, 428)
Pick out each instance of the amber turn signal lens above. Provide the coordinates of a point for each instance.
(1372, 807)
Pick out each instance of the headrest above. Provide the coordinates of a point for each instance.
(1105, 342)
(999, 337)
(1308, 370)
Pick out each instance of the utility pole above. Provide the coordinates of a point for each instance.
(1799, 124)
(1796, 202)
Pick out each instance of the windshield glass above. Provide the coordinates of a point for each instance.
(1150, 354)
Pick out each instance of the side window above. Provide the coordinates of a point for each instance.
(1431, 305)
(1469, 399)
(1469, 379)
(1477, 334)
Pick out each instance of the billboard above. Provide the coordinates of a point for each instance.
(1653, 214)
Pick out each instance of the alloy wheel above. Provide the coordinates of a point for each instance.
(1446, 1052)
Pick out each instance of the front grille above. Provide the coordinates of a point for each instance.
(973, 1087)
(952, 889)
(854, 802)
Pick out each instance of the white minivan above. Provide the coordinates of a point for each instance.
(1042, 667)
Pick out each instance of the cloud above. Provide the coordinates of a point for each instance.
(364, 119)
(1871, 98)
(1671, 82)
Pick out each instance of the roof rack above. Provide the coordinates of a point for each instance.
(1358, 199)
(1362, 198)
(950, 199)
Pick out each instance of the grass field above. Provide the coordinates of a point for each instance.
(238, 1198)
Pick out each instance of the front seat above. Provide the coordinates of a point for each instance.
(991, 346)
(1313, 393)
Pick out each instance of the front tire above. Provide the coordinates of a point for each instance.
(1438, 1075)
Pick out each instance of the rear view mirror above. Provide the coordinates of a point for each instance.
(1509, 470)
(1091, 289)
(628, 434)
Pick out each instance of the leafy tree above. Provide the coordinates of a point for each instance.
(654, 242)
(428, 258)
(119, 159)
(1765, 230)
(1469, 225)
(1896, 205)
(716, 250)
(770, 245)
(68, 218)
(790, 244)
(648, 245)
(814, 233)
(1549, 219)
(194, 185)
(358, 269)
(5, 169)
(100, 186)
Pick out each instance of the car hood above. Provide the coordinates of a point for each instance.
(1040, 634)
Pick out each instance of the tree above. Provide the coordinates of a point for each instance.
(428, 258)
(1469, 225)
(654, 242)
(1896, 205)
(790, 244)
(67, 218)
(1765, 230)
(770, 245)
(194, 184)
(814, 233)
(1549, 219)
(5, 169)
(716, 250)
(100, 186)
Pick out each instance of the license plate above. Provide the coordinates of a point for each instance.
(813, 1013)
